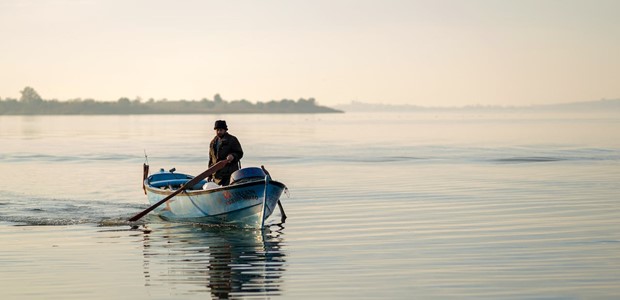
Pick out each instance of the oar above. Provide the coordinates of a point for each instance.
(190, 183)
(281, 211)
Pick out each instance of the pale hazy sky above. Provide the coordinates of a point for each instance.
(432, 53)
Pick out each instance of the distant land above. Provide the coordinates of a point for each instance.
(31, 103)
(603, 105)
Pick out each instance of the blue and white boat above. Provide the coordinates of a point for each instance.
(248, 201)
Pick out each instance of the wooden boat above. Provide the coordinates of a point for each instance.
(248, 201)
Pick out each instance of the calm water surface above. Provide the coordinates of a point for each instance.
(381, 206)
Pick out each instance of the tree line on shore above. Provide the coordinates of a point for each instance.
(31, 103)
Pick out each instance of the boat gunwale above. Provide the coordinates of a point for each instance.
(209, 191)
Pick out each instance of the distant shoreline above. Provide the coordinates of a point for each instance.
(31, 103)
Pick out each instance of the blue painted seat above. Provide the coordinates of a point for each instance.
(176, 183)
(167, 182)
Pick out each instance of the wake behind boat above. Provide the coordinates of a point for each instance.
(248, 201)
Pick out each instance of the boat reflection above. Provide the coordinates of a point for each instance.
(225, 262)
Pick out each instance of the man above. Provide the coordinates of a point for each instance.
(224, 147)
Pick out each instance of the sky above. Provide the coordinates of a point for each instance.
(429, 53)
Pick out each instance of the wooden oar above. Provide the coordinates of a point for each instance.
(281, 211)
(216, 167)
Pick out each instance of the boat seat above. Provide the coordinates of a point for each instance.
(172, 182)
(176, 183)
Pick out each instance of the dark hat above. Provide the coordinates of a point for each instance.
(220, 124)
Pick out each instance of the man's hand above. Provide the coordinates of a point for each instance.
(229, 158)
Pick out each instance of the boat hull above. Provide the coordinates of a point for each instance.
(245, 204)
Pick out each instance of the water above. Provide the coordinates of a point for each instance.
(381, 206)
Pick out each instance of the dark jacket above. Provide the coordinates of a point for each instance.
(229, 144)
